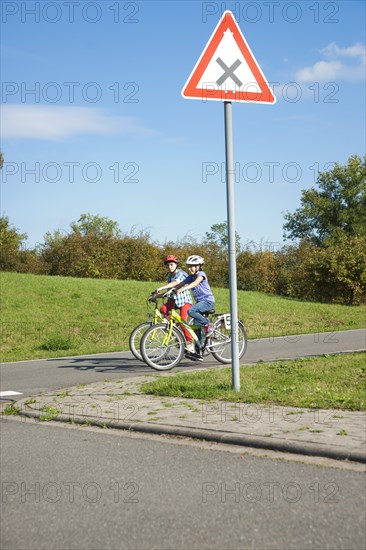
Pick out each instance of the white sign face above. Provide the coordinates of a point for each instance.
(227, 69)
(231, 74)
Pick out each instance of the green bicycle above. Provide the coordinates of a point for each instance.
(163, 345)
(139, 330)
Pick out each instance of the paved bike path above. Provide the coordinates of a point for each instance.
(30, 377)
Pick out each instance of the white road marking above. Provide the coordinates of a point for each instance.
(9, 393)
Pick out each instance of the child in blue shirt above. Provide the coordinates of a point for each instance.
(198, 283)
(183, 301)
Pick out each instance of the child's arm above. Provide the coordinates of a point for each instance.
(169, 285)
(195, 283)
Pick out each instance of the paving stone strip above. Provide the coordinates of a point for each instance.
(121, 404)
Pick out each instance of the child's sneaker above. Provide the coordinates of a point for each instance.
(190, 347)
(193, 356)
(190, 352)
(209, 329)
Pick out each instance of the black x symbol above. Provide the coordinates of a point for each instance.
(229, 72)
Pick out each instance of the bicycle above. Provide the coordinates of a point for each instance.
(162, 346)
(139, 330)
(156, 317)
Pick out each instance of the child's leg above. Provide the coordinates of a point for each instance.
(184, 314)
(196, 311)
(167, 307)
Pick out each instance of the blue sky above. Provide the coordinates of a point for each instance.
(93, 119)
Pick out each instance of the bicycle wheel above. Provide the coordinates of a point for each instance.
(220, 342)
(135, 338)
(161, 351)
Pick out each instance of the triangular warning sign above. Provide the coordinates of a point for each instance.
(227, 69)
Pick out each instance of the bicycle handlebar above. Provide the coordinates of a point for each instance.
(155, 295)
(169, 292)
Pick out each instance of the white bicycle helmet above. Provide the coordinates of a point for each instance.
(195, 260)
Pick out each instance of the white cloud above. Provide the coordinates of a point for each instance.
(59, 122)
(332, 50)
(322, 70)
(343, 64)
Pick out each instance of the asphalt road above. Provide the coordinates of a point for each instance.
(78, 488)
(65, 487)
(32, 377)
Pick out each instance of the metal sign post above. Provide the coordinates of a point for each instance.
(228, 71)
(232, 244)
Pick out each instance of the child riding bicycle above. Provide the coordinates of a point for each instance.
(205, 301)
(183, 301)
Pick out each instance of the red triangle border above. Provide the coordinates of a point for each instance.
(191, 91)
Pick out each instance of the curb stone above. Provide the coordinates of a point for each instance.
(302, 448)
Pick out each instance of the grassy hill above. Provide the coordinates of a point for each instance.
(43, 316)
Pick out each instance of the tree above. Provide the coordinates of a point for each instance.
(52, 239)
(339, 203)
(219, 237)
(10, 243)
(346, 257)
(89, 224)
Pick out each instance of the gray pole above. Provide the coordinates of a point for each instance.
(232, 244)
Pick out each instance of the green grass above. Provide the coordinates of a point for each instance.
(11, 410)
(43, 316)
(330, 382)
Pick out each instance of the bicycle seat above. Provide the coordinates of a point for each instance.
(209, 312)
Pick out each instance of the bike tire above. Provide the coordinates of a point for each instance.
(220, 340)
(159, 354)
(135, 338)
